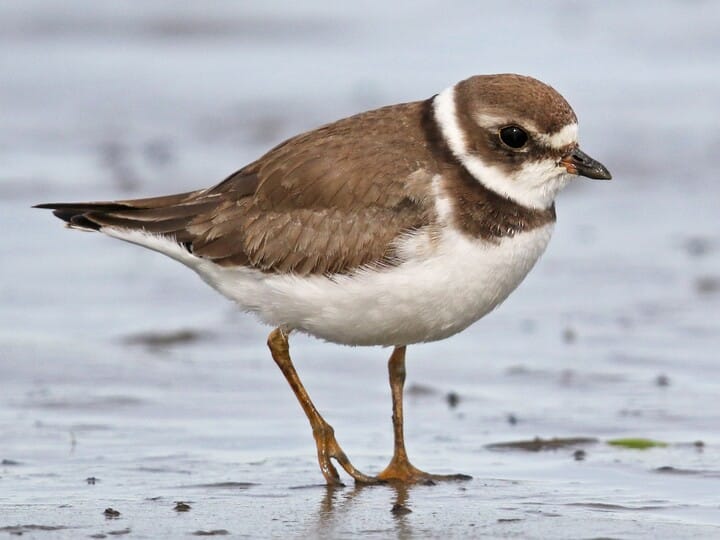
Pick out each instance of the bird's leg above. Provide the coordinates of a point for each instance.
(400, 469)
(327, 446)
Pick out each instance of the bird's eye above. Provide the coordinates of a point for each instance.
(513, 136)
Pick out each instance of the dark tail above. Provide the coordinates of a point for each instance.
(158, 215)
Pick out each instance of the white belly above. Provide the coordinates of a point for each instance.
(436, 293)
(427, 298)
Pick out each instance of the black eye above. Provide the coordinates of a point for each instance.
(513, 136)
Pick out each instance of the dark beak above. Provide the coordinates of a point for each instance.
(578, 162)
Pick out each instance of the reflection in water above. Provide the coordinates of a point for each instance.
(333, 516)
(400, 510)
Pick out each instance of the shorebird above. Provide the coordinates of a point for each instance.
(400, 225)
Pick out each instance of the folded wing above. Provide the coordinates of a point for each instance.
(309, 206)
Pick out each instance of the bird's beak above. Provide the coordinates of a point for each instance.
(578, 162)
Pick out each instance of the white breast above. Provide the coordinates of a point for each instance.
(424, 299)
(434, 294)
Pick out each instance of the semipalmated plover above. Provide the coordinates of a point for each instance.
(399, 225)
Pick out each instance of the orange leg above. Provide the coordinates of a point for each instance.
(400, 469)
(327, 446)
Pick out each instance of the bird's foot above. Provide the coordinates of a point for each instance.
(401, 471)
(329, 449)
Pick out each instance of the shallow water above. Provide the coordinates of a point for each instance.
(127, 384)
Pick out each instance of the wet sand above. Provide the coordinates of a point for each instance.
(135, 402)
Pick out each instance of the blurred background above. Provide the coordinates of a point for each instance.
(120, 365)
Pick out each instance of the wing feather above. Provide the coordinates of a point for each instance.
(328, 201)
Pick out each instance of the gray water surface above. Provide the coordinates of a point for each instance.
(126, 383)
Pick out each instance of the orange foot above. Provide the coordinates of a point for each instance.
(328, 448)
(401, 471)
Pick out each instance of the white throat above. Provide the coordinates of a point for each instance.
(535, 185)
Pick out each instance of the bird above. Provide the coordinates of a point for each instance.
(396, 226)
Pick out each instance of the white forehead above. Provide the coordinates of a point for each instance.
(558, 140)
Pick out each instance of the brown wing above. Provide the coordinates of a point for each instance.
(327, 201)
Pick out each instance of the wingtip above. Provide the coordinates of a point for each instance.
(73, 215)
